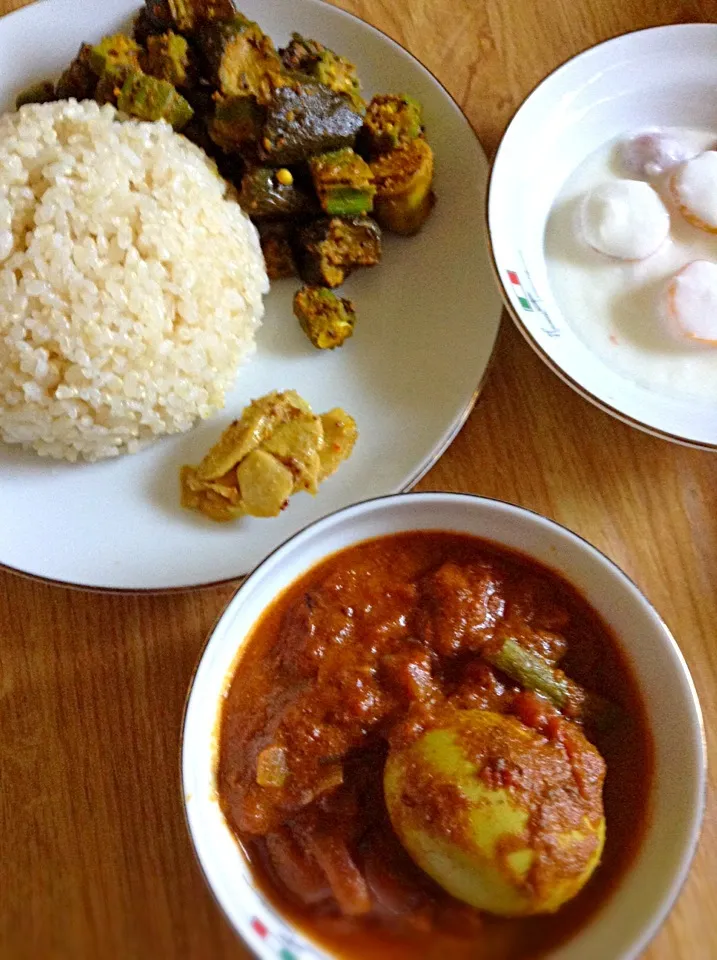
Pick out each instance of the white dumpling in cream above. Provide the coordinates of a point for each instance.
(625, 219)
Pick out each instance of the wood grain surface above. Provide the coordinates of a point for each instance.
(95, 861)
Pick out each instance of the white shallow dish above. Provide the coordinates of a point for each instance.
(633, 913)
(664, 76)
(428, 318)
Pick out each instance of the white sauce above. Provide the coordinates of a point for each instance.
(617, 307)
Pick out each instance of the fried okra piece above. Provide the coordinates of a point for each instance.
(148, 98)
(327, 320)
(391, 120)
(403, 179)
(343, 182)
(168, 58)
(114, 51)
(275, 238)
(306, 119)
(79, 80)
(330, 248)
(236, 123)
(313, 59)
(189, 15)
(43, 92)
(109, 86)
(267, 192)
(241, 59)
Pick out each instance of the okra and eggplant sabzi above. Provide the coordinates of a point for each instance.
(321, 171)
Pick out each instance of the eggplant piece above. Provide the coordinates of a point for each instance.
(168, 58)
(312, 59)
(114, 51)
(189, 15)
(305, 119)
(391, 120)
(79, 80)
(241, 59)
(146, 26)
(200, 98)
(404, 195)
(147, 98)
(196, 131)
(43, 92)
(263, 194)
(327, 320)
(330, 248)
(275, 237)
(237, 121)
(156, 17)
(343, 182)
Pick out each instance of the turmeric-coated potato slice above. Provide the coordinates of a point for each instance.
(218, 501)
(265, 484)
(246, 434)
(340, 435)
(297, 444)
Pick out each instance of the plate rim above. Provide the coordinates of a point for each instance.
(513, 313)
(422, 469)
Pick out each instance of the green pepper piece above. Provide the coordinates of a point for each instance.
(533, 672)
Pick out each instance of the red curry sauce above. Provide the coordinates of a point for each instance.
(379, 643)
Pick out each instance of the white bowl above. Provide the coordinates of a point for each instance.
(635, 910)
(665, 76)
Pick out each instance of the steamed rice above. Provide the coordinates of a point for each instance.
(130, 284)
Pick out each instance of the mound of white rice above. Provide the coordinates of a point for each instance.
(130, 285)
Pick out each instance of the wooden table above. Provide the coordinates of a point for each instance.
(95, 861)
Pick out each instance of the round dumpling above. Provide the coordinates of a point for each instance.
(692, 302)
(625, 219)
(694, 190)
(652, 153)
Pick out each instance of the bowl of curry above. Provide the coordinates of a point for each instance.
(435, 725)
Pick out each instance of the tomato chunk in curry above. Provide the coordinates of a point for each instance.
(365, 653)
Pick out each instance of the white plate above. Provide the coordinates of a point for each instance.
(665, 76)
(427, 322)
